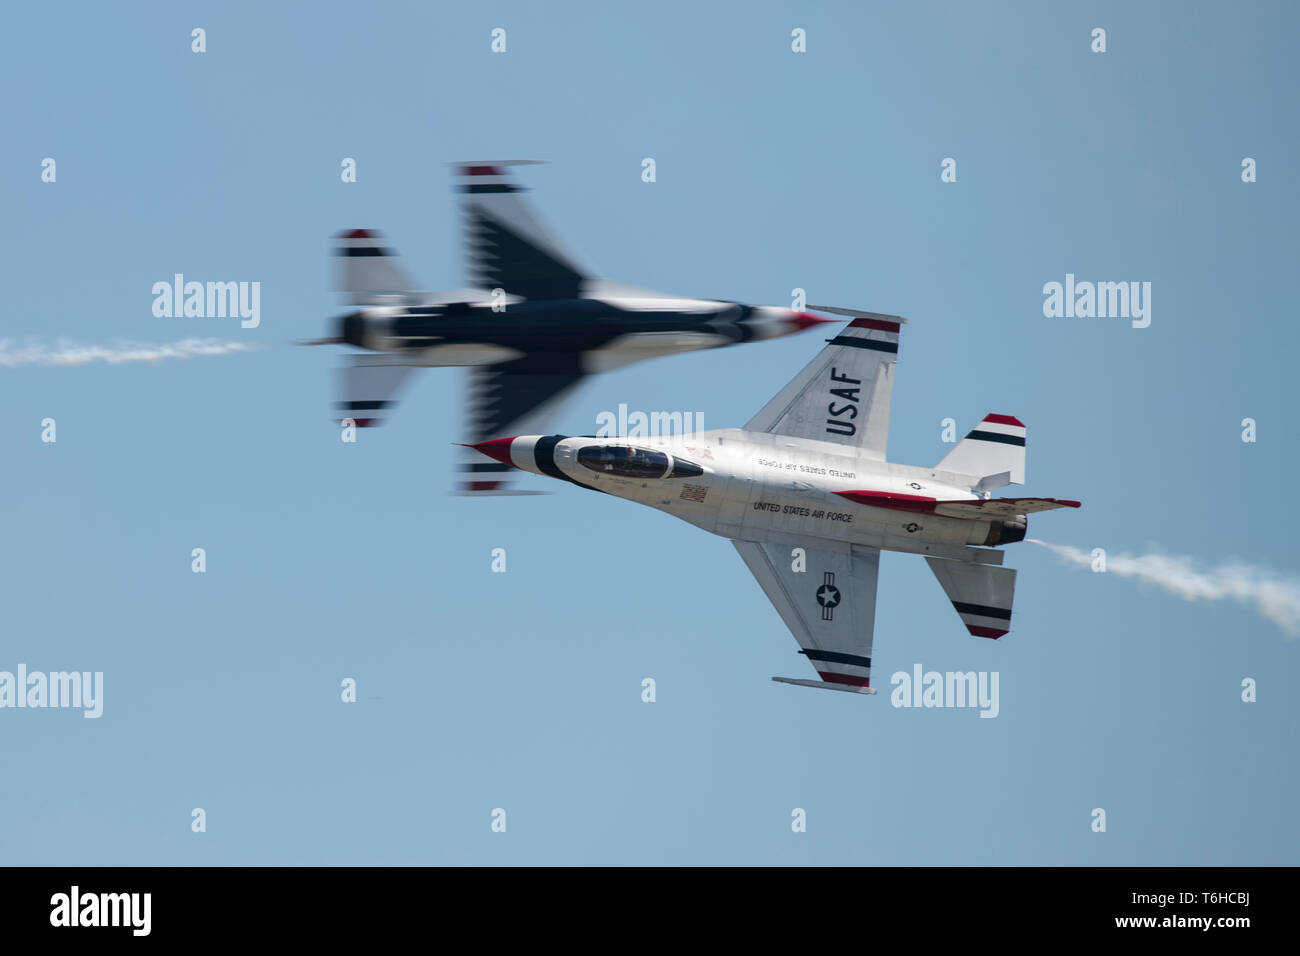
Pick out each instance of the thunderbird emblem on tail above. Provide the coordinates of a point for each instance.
(805, 494)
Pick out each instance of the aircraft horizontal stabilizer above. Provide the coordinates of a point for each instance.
(963, 508)
(982, 596)
(369, 391)
(1001, 507)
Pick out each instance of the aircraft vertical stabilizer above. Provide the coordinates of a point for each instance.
(369, 270)
(993, 451)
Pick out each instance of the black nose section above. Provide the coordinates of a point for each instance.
(352, 328)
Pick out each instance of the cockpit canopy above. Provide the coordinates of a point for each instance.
(624, 460)
(628, 461)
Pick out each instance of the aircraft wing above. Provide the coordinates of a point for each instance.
(507, 246)
(829, 607)
(512, 398)
(843, 395)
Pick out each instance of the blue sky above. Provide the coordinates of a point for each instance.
(522, 690)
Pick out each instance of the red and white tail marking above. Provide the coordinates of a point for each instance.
(993, 453)
(368, 268)
(981, 595)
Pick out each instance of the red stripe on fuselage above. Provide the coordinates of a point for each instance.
(979, 631)
(917, 504)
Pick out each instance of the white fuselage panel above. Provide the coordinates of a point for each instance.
(760, 487)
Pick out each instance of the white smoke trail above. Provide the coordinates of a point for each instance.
(64, 353)
(1275, 596)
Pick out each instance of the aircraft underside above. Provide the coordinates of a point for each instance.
(806, 495)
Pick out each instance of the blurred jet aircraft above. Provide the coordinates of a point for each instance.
(532, 324)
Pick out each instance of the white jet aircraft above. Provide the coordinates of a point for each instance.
(805, 494)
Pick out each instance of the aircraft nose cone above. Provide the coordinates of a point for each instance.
(497, 448)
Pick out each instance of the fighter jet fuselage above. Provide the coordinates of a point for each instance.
(760, 487)
(530, 324)
(592, 330)
(806, 495)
